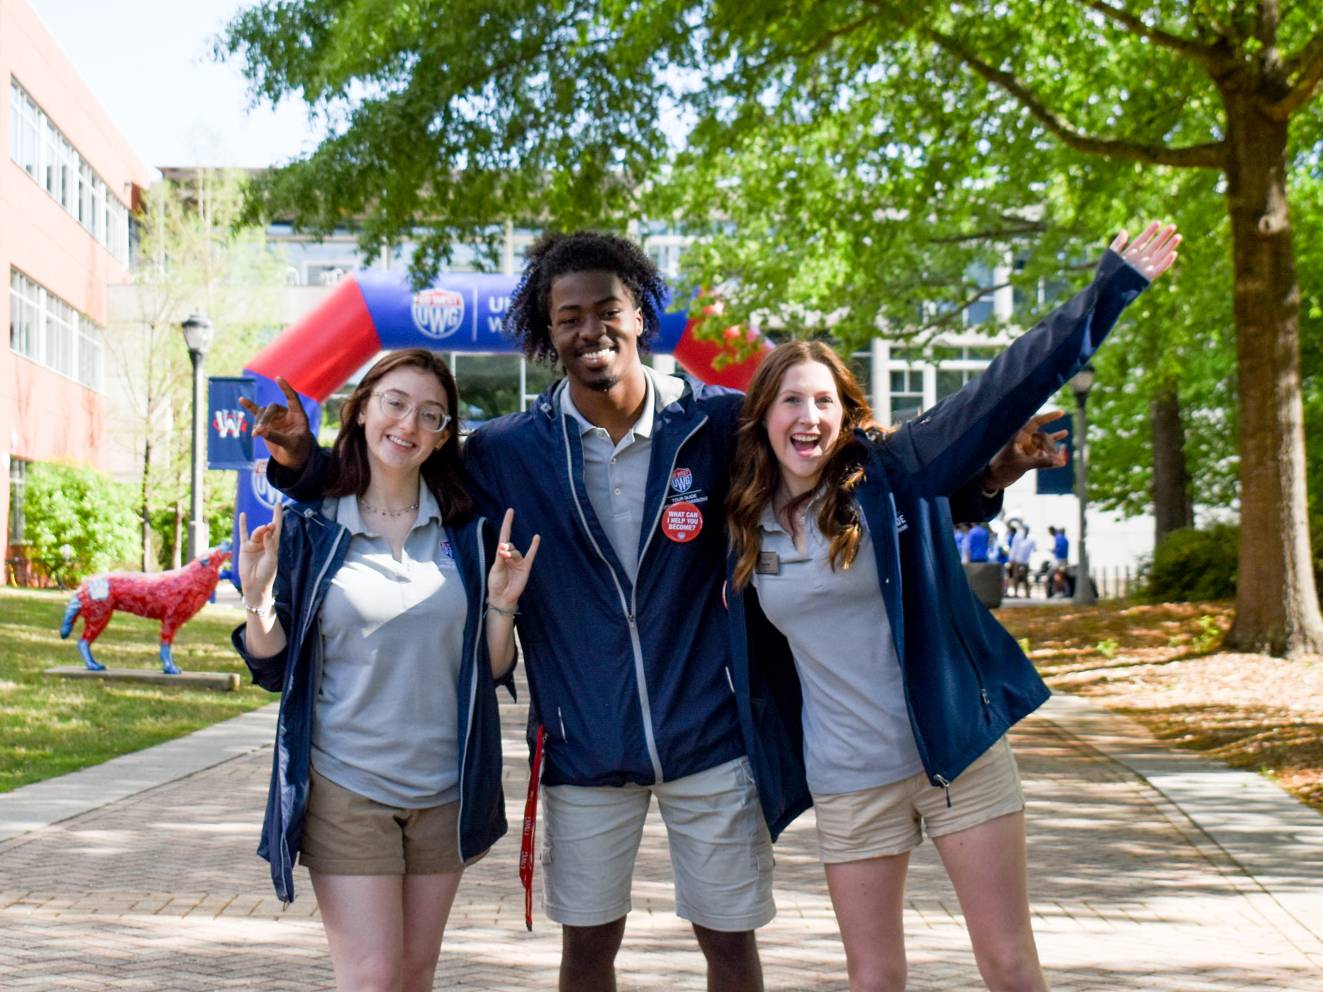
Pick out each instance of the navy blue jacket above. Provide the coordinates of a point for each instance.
(312, 549)
(632, 681)
(966, 679)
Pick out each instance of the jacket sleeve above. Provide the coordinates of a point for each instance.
(269, 673)
(307, 484)
(480, 478)
(970, 506)
(947, 445)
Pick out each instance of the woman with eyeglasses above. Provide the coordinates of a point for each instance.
(384, 615)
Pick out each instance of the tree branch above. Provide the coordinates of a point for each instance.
(1306, 68)
(1206, 55)
(991, 234)
(822, 43)
(1208, 156)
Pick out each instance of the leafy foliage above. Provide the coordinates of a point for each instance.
(81, 511)
(1192, 565)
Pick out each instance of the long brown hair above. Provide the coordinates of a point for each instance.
(757, 475)
(441, 471)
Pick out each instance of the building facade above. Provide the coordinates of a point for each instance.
(68, 184)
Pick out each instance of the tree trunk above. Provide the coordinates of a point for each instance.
(144, 508)
(177, 556)
(1173, 505)
(1277, 608)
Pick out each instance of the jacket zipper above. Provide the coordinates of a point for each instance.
(634, 641)
(480, 631)
(632, 612)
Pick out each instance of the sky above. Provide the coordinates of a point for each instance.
(149, 64)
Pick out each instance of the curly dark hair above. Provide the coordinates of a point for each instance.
(528, 318)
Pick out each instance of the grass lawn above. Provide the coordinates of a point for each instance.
(1161, 665)
(49, 726)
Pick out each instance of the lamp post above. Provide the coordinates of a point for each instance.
(1080, 385)
(197, 336)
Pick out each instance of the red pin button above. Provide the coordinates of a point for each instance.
(682, 522)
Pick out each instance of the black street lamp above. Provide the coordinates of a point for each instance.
(1080, 385)
(197, 336)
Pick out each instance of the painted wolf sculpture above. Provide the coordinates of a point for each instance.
(171, 597)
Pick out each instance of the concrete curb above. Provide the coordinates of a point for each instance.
(1275, 841)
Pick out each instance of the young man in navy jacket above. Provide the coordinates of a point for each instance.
(623, 472)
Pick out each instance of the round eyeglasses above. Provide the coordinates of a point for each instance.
(396, 405)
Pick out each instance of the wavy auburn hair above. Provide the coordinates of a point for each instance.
(756, 475)
(442, 471)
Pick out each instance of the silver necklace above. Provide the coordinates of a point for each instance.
(381, 511)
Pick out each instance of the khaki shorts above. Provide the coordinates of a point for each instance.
(892, 818)
(348, 834)
(721, 853)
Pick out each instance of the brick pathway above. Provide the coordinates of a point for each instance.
(161, 891)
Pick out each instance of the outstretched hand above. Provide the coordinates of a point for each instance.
(1030, 448)
(284, 428)
(258, 555)
(510, 570)
(1153, 252)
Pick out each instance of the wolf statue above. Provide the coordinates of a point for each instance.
(171, 597)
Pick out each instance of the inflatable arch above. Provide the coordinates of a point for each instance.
(371, 311)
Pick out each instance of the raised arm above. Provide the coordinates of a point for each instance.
(299, 467)
(950, 443)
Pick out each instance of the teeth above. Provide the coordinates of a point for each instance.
(805, 438)
(399, 441)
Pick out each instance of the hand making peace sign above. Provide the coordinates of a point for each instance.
(510, 570)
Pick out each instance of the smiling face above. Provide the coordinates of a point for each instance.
(396, 446)
(803, 424)
(595, 328)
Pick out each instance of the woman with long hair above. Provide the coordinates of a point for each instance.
(845, 583)
(383, 614)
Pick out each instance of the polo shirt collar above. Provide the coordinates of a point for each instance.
(642, 427)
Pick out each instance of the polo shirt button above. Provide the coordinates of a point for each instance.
(617, 492)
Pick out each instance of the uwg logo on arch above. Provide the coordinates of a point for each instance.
(438, 313)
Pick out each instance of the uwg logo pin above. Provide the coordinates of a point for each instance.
(682, 480)
(438, 312)
(229, 423)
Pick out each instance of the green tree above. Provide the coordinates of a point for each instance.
(848, 161)
(76, 521)
(194, 255)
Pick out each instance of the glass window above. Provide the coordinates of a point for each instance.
(488, 386)
(89, 353)
(46, 329)
(37, 145)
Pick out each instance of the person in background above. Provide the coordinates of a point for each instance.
(1022, 550)
(976, 543)
(383, 615)
(842, 572)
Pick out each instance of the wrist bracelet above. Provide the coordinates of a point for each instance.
(505, 611)
(991, 493)
(261, 610)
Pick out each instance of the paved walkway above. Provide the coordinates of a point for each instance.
(1150, 871)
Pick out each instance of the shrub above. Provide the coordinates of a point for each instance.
(1192, 564)
(79, 510)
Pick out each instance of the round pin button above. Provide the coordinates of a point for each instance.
(682, 522)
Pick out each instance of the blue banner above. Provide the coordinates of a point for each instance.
(229, 425)
(1059, 481)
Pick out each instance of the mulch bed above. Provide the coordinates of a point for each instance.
(1161, 665)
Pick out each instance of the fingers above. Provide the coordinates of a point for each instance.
(506, 524)
(250, 406)
(532, 550)
(1119, 242)
(243, 528)
(276, 517)
(1039, 419)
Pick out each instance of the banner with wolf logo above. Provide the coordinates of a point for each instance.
(229, 427)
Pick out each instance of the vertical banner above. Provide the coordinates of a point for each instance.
(229, 427)
(1059, 481)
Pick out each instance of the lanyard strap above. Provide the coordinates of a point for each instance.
(530, 828)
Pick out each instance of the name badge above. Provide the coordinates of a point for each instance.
(769, 563)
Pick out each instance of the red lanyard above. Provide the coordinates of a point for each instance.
(530, 828)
